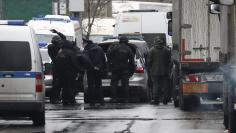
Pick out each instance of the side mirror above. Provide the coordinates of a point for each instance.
(214, 8)
(169, 15)
(227, 2)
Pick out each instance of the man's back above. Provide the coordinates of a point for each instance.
(121, 57)
(159, 59)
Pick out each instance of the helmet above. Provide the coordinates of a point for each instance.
(123, 39)
(55, 39)
(159, 40)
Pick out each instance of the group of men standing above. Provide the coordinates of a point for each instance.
(68, 62)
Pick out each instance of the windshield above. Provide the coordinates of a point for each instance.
(47, 38)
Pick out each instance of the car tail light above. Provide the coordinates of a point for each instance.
(139, 70)
(193, 78)
(39, 83)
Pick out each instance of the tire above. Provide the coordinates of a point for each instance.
(38, 119)
(183, 103)
(176, 103)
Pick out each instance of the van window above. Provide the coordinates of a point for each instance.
(15, 56)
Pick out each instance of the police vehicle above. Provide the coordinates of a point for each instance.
(21, 73)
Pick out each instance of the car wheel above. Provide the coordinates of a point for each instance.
(39, 118)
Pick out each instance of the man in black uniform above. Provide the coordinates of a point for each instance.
(66, 68)
(94, 73)
(52, 52)
(121, 63)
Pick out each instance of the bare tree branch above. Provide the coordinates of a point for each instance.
(94, 9)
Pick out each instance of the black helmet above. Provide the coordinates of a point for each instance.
(123, 39)
(55, 39)
(159, 40)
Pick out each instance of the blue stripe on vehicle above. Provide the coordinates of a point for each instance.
(18, 74)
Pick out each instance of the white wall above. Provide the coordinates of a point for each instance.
(76, 5)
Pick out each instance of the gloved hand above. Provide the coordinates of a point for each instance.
(53, 31)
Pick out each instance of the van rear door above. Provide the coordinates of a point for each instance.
(17, 78)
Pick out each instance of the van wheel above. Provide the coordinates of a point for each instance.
(38, 118)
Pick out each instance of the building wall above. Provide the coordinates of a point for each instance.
(26, 9)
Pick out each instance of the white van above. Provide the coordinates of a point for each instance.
(42, 26)
(102, 29)
(21, 76)
(149, 23)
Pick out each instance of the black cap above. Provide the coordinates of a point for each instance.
(55, 39)
(123, 39)
(87, 41)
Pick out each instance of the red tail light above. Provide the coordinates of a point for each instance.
(39, 83)
(139, 70)
(193, 78)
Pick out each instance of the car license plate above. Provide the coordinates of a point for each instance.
(195, 88)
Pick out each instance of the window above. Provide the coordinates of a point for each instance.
(15, 56)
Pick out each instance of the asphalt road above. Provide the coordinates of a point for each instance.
(121, 118)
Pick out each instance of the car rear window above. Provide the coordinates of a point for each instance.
(15, 56)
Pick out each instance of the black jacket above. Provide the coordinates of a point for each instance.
(53, 50)
(121, 58)
(96, 55)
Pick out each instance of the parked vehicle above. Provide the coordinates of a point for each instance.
(22, 86)
(47, 69)
(138, 82)
(42, 26)
(149, 23)
(196, 51)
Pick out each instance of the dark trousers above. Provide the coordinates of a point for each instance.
(95, 92)
(55, 93)
(161, 88)
(116, 77)
(68, 82)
